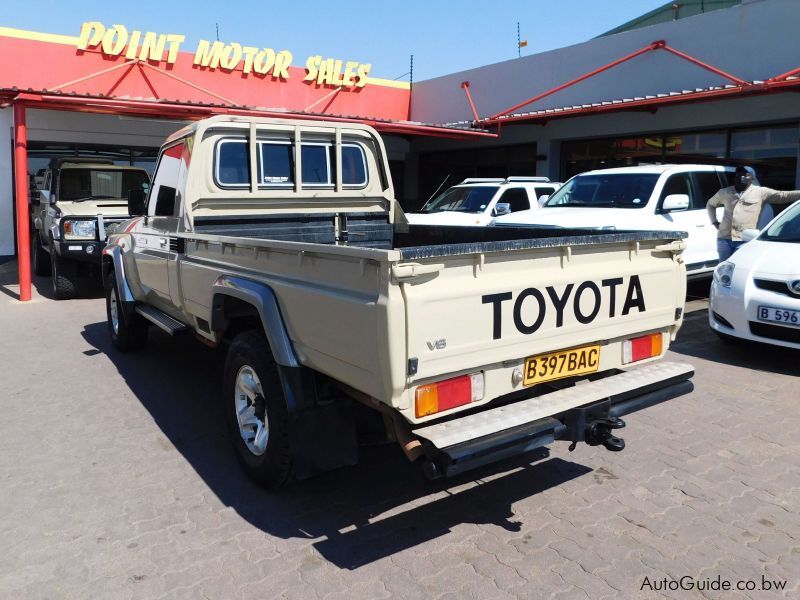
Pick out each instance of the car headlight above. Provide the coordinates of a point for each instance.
(80, 230)
(723, 274)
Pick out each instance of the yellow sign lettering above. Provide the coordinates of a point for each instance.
(91, 34)
(230, 57)
(363, 73)
(283, 61)
(207, 54)
(174, 40)
(153, 47)
(117, 40)
(312, 66)
(264, 61)
(249, 53)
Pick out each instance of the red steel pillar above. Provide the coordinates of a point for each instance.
(21, 186)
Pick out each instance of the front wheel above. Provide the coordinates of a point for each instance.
(65, 277)
(128, 331)
(255, 410)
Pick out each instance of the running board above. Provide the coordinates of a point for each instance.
(161, 319)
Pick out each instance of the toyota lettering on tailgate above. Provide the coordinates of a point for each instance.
(571, 299)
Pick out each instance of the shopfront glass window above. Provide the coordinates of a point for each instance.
(771, 151)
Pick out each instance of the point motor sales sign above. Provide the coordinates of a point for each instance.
(164, 47)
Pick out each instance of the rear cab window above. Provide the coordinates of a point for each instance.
(276, 164)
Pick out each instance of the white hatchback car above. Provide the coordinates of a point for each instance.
(755, 294)
(478, 200)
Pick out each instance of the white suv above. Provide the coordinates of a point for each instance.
(478, 200)
(656, 197)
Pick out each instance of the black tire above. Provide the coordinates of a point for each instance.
(65, 277)
(128, 332)
(273, 467)
(39, 256)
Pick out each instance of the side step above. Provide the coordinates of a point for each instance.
(465, 442)
(161, 319)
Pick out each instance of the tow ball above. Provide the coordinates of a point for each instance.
(598, 432)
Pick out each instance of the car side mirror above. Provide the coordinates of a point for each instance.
(750, 234)
(502, 208)
(543, 199)
(136, 202)
(675, 202)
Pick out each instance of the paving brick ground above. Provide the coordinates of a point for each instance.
(116, 481)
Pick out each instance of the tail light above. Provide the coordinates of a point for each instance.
(450, 393)
(643, 347)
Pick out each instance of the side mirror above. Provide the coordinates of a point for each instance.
(542, 199)
(750, 234)
(675, 202)
(502, 208)
(136, 202)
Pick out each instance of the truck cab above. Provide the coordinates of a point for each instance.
(80, 202)
(478, 200)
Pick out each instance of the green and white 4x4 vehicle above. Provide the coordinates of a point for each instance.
(81, 202)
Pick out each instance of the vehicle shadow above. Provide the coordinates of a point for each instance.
(362, 513)
(697, 339)
(90, 287)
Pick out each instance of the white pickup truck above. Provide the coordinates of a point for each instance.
(283, 240)
(478, 200)
(647, 197)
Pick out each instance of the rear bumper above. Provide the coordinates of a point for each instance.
(465, 443)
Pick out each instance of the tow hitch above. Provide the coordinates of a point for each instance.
(599, 432)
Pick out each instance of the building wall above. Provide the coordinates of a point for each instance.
(743, 112)
(6, 182)
(755, 40)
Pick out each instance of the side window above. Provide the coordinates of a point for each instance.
(315, 164)
(354, 168)
(232, 164)
(543, 191)
(277, 163)
(705, 186)
(517, 198)
(677, 184)
(163, 195)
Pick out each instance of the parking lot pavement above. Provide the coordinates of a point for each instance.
(116, 480)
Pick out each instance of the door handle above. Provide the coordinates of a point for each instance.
(700, 225)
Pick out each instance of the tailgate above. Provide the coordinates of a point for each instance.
(475, 310)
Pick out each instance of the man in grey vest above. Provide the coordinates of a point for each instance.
(742, 203)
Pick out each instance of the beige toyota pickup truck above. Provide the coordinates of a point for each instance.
(283, 240)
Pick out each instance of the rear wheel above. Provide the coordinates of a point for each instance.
(39, 257)
(128, 331)
(65, 277)
(255, 410)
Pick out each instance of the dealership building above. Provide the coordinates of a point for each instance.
(708, 81)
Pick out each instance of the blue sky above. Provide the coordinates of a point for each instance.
(444, 37)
